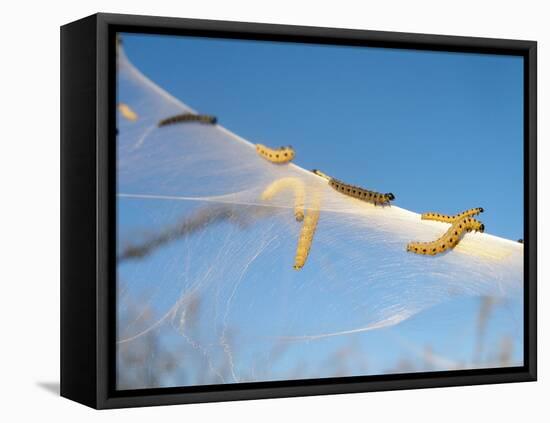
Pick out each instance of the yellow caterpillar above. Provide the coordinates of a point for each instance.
(306, 234)
(297, 187)
(280, 155)
(127, 112)
(451, 219)
(357, 192)
(449, 239)
(187, 117)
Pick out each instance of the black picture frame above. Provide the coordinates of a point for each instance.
(88, 73)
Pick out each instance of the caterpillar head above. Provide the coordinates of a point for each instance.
(390, 196)
(480, 209)
(481, 228)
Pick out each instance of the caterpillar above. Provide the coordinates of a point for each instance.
(288, 183)
(357, 192)
(306, 234)
(188, 117)
(451, 219)
(449, 239)
(520, 241)
(280, 155)
(127, 112)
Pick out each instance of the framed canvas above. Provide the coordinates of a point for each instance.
(256, 211)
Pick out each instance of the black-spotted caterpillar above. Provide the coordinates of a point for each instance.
(279, 155)
(296, 185)
(451, 219)
(187, 117)
(357, 192)
(460, 226)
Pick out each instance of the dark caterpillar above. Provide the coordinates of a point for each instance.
(357, 192)
(451, 219)
(520, 241)
(187, 117)
(449, 240)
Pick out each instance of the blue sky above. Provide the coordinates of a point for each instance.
(442, 131)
